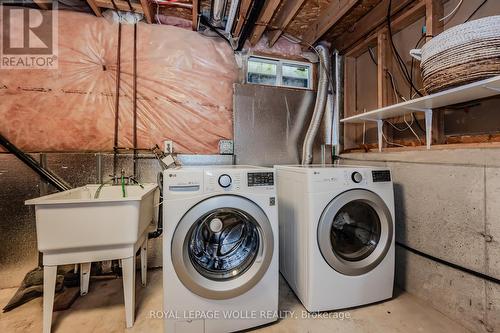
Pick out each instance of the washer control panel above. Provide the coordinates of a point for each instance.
(225, 180)
(356, 177)
(260, 179)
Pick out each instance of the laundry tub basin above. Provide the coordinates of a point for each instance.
(74, 221)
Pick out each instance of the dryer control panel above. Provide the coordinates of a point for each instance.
(260, 179)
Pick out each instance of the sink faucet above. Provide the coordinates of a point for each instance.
(121, 180)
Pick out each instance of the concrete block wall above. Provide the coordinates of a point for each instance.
(447, 206)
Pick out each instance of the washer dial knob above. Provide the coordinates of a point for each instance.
(225, 181)
(357, 177)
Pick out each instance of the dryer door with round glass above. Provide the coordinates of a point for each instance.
(355, 232)
(222, 247)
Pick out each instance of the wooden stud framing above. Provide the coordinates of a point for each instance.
(147, 11)
(244, 8)
(333, 13)
(384, 65)
(380, 39)
(95, 8)
(350, 103)
(196, 10)
(383, 60)
(374, 19)
(434, 10)
(283, 18)
(264, 18)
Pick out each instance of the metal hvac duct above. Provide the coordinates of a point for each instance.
(217, 12)
(319, 107)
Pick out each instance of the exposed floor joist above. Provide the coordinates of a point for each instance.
(368, 23)
(264, 18)
(335, 11)
(283, 18)
(42, 4)
(94, 7)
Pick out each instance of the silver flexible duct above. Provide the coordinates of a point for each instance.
(217, 12)
(319, 107)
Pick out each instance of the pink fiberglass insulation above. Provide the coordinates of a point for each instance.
(184, 90)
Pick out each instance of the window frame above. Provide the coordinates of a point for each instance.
(279, 71)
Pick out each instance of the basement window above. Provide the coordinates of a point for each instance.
(281, 73)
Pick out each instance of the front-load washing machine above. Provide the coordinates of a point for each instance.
(220, 248)
(336, 234)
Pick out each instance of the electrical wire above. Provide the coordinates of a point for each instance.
(397, 96)
(452, 12)
(475, 11)
(399, 59)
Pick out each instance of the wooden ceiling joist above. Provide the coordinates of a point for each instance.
(120, 4)
(264, 18)
(375, 18)
(284, 16)
(41, 4)
(147, 11)
(244, 8)
(335, 11)
(94, 7)
(403, 19)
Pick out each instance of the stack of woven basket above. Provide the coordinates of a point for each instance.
(465, 53)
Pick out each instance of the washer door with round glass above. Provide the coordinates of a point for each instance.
(222, 247)
(355, 232)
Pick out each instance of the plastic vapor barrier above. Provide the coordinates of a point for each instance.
(184, 90)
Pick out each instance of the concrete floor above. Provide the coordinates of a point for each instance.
(102, 311)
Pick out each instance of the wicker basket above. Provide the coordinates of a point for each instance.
(463, 54)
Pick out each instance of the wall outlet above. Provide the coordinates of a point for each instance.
(168, 147)
(226, 147)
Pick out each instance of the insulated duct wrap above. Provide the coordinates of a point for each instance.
(319, 107)
(184, 89)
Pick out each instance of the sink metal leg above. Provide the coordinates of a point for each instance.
(128, 271)
(49, 288)
(84, 278)
(144, 261)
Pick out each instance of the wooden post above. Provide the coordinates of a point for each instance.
(434, 10)
(350, 107)
(196, 10)
(384, 87)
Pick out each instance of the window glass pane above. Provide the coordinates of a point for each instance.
(262, 72)
(295, 75)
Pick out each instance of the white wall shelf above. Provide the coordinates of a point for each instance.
(469, 92)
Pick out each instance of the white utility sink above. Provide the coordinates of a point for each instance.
(80, 227)
(74, 220)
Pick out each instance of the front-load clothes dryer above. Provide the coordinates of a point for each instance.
(336, 234)
(220, 248)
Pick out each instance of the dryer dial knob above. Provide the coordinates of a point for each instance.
(225, 181)
(357, 177)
